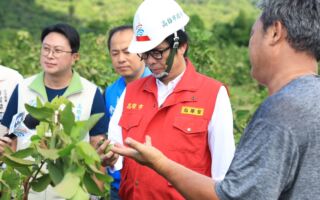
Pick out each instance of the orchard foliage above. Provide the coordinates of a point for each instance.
(58, 156)
(218, 30)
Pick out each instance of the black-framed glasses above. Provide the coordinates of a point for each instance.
(45, 51)
(155, 53)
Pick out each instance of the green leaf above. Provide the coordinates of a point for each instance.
(94, 169)
(39, 103)
(109, 147)
(55, 172)
(78, 131)
(51, 154)
(42, 128)
(69, 185)
(91, 186)
(23, 153)
(81, 128)
(87, 152)
(104, 177)
(57, 102)
(16, 162)
(41, 183)
(40, 113)
(8, 150)
(67, 118)
(65, 139)
(77, 169)
(66, 151)
(93, 120)
(80, 195)
(5, 195)
(35, 138)
(11, 178)
(24, 170)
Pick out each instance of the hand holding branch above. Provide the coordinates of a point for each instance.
(4, 142)
(108, 158)
(144, 154)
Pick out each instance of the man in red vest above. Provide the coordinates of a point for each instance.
(187, 114)
(278, 154)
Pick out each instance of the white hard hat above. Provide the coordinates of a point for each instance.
(153, 22)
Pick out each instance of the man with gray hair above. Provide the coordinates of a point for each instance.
(278, 154)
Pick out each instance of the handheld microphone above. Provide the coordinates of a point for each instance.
(11, 136)
(20, 125)
(31, 122)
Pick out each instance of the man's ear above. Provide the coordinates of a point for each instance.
(276, 33)
(76, 57)
(183, 48)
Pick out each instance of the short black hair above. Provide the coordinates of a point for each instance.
(115, 30)
(301, 19)
(183, 39)
(68, 31)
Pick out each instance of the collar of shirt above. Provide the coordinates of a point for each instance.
(4, 73)
(165, 90)
(3, 77)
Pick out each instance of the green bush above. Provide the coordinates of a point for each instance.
(58, 155)
(234, 32)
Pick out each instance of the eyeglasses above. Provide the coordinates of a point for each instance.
(155, 53)
(45, 51)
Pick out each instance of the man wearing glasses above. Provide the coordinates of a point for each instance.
(130, 68)
(59, 52)
(187, 114)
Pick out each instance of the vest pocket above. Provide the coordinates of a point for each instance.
(191, 125)
(130, 120)
(188, 137)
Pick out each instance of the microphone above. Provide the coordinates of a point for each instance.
(11, 136)
(31, 122)
(20, 125)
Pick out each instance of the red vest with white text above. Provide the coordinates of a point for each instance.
(178, 128)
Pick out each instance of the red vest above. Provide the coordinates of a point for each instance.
(178, 128)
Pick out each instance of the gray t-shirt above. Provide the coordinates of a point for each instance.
(278, 156)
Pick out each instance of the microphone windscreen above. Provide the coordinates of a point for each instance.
(30, 122)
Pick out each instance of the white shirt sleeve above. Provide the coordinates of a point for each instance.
(220, 136)
(115, 131)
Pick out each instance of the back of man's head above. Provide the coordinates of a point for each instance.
(301, 19)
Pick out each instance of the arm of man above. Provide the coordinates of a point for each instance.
(220, 136)
(11, 110)
(115, 131)
(201, 187)
(98, 132)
